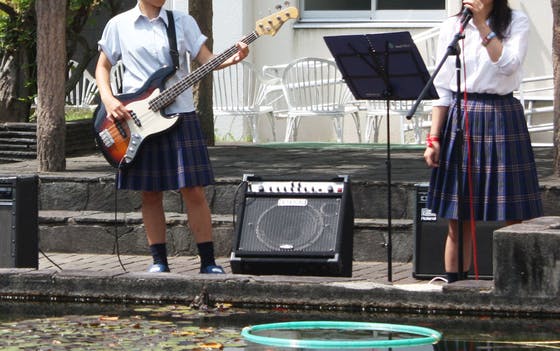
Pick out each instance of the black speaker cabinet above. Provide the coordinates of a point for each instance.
(18, 222)
(430, 233)
(294, 227)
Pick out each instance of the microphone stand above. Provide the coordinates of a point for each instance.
(453, 50)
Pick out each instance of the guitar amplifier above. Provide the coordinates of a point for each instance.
(430, 233)
(19, 244)
(294, 227)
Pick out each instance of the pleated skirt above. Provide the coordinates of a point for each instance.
(174, 159)
(503, 174)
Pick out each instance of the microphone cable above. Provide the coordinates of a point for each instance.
(469, 166)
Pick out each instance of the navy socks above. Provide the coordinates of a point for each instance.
(159, 253)
(454, 276)
(206, 252)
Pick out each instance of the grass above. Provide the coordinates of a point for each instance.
(70, 114)
(77, 114)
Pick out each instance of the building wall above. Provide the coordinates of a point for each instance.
(233, 19)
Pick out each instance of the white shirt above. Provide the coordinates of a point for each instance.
(143, 47)
(482, 75)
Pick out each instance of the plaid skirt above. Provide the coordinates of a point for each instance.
(174, 159)
(503, 173)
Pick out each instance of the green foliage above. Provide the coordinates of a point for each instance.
(18, 23)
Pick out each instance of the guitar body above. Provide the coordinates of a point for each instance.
(120, 141)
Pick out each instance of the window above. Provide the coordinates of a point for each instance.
(373, 10)
(337, 5)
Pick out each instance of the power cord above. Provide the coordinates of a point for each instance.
(115, 219)
(50, 260)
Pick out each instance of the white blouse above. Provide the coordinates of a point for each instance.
(143, 46)
(482, 75)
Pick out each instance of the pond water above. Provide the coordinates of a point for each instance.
(86, 326)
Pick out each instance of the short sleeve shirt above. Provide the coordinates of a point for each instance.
(143, 47)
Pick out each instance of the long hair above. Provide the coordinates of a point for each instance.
(500, 18)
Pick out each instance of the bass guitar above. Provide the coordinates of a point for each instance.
(120, 141)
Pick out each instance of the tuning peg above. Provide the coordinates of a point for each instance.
(278, 7)
(286, 3)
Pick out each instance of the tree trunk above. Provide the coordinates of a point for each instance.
(556, 66)
(13, 76)
(202, 11)
(51, 70)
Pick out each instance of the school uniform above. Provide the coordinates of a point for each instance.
(177, 157)
(497, 143)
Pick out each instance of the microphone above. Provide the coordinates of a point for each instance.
(466, 15)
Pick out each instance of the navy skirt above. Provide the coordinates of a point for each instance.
(503, 172)
(174, 159)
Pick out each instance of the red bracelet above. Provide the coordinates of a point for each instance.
(430, 139)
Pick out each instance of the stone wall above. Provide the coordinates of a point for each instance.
(527, 259)
(80, 138)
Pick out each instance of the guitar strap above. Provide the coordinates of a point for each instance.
(172, 37)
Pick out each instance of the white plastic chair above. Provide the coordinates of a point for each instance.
(427, 44)
(273, 94)
(116, 77)
(314, 87)
(377, 110)
(239, 91)
(536, 94)
(85, 91)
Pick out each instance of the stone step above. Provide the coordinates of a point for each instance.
(95, 232)
(79, 139)
(5, 160)
(98, 194)
(19, 142)
(18, 154)
(11, 134)
(18, 126)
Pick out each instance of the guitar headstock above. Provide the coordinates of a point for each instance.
(269, 25)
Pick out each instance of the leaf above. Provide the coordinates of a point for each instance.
(211, 345)
(109, 318)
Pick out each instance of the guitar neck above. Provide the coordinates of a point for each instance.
(170, 94)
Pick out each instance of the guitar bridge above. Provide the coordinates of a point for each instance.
(106, 138)
(134, 144)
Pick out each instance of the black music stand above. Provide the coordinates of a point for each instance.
(384, 66)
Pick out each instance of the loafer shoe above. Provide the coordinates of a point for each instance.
(212, 269)
(158, 268)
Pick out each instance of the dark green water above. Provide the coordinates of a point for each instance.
(64, 326)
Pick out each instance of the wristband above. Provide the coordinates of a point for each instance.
(430, 139)
(486, 40)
